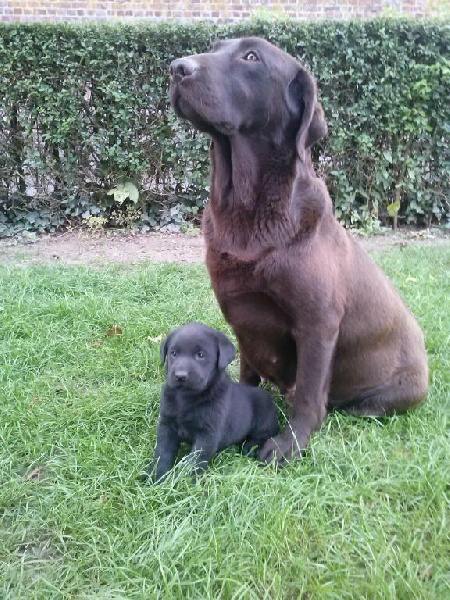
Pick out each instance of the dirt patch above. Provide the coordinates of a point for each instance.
(82, 248)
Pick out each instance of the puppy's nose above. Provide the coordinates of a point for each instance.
(181, 68)
(181, 376)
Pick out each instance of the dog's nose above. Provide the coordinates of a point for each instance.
(181, 68)
(181, 376)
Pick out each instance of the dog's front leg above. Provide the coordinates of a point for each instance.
(314, 365)
(202, 451)
(247, 374)
(167, 445)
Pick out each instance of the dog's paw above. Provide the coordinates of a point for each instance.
(147, 477)
(153, 474)
(250, 449)
(283, 448)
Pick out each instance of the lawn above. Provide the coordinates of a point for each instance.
(365, 514)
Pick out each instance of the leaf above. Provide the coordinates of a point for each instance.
(115, 330)
(393, 208)
(388, 155)
(124, 190)
(133, 192)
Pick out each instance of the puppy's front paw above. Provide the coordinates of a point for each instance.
(149, 476)
(146, 477)
(283, 448)
(154, 473)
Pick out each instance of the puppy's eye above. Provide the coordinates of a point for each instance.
(200, 354)
(173, 353)
(251, 56)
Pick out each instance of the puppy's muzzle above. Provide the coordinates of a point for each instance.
(181, 376)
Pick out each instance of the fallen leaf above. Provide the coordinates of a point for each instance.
(115, 330)
(411, 280)
(36, 474)
(426, 572)
(96, 344)
(158, 339)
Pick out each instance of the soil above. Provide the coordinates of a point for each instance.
(98, 249)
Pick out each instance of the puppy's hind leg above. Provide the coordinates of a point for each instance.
(267, 428)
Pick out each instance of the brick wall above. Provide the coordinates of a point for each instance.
(130, 10)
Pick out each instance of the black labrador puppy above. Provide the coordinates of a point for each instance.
(201, 405)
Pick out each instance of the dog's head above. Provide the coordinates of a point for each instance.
(250, 87)
(195, 354)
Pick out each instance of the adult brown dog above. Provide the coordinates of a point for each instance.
(312, 313)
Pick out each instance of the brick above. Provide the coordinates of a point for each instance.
(219, 10)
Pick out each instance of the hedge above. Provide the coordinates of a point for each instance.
(87, 134)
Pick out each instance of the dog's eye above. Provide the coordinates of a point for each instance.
(173, 353)
(200, 354)
(251, 56)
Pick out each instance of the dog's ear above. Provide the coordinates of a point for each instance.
(164, 347)
(302, 93)
(227, 351)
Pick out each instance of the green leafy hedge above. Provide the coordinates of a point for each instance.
(87, 133)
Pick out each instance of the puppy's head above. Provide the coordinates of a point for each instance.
(195, 354)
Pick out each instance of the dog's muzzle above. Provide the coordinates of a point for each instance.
(182, 68)
(181, 376)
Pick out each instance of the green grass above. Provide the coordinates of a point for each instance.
(364, 515)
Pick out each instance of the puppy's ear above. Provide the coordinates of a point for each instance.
(164, 347)
(302, 93)
(227, 351)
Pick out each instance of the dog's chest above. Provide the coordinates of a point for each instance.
(187, 419)
(184, 430)
(240, 271)
(256, 299)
